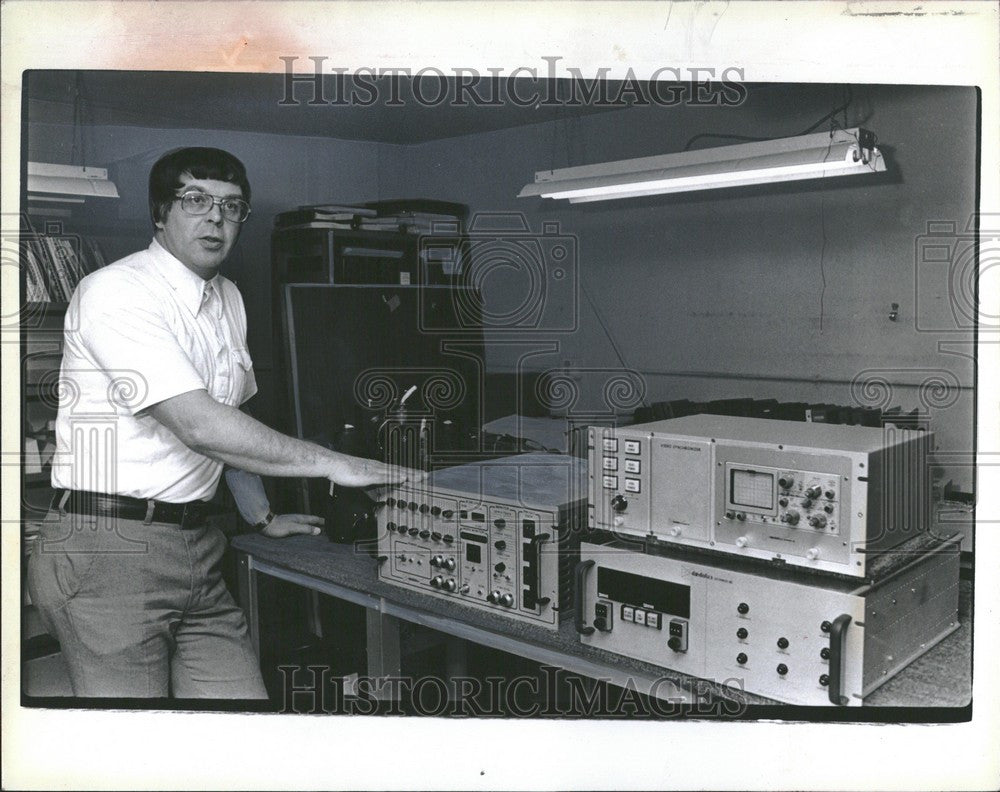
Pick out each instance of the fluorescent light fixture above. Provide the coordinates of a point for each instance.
(840, 153)
(68, 183)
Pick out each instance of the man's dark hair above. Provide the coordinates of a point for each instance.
(200, 163)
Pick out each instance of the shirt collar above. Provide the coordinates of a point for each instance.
(191, 289)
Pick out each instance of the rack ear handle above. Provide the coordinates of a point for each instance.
(581, 574)
(537, 542)
(838, 647)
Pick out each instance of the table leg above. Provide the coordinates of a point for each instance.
(247, 580)
(456, 660)
(383, 650)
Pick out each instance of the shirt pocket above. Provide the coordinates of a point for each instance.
(242, 371)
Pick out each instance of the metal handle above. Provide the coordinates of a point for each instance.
(537, 542)
(838, 645)
(581, 573)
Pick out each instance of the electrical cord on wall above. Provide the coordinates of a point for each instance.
(607, 333)
(849, 98)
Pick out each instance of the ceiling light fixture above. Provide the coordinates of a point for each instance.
(843, 152)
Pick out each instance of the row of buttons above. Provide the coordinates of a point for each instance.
(640, 616)
(631, 465)
(424, 534)
(631, 484)
(631, 446)
(423, 508)
(742, 659)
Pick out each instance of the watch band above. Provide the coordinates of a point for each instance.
(260, 526)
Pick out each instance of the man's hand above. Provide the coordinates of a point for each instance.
(290, 524)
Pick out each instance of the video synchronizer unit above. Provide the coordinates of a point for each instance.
(822, 496)
(501, 535)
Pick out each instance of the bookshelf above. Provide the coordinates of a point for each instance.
(58, 246)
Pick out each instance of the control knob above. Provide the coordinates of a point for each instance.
(619, 503)
(812, 554)
(500, 544)
(792, 517)
(674, 643)
(436, 581)
(450, 584)
(436, 561)
(786, 482)
(464, 589)
(742, 541)
(493, 596)
(818, 521)
(449, 564)
(813, 491)
(507, 600)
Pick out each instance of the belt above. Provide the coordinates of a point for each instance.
(185, 515)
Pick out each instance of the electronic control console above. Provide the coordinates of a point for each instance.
(501, 535)
(823, 496)
(811, 641)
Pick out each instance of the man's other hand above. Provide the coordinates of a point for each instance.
(290, 524)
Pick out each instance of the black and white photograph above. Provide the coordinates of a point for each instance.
(542, 412)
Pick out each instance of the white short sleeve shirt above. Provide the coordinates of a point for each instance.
(137, 332)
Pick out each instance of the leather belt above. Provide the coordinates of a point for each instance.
(185, 515)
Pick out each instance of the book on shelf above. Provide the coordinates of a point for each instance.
(63, 275)
(37, 290)
(32, 460)
(54, 266)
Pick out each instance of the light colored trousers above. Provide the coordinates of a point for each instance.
(141, 610)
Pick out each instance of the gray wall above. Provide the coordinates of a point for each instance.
(708, 295)
(720, 294)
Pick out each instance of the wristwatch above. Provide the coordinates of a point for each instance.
(260, 526)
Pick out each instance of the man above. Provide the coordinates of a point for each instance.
(126, 574)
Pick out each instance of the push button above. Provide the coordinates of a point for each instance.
(628, 613)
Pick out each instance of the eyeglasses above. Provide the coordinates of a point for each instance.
(235, 210)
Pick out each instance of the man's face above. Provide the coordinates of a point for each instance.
(200, 242)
